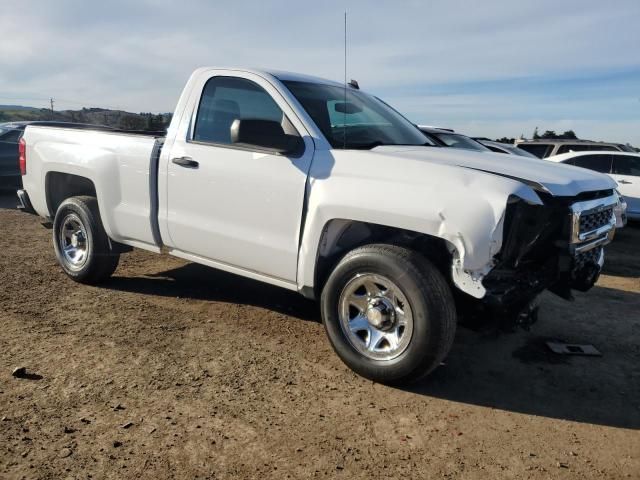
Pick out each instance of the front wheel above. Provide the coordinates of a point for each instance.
(388, 313)
(80, 242)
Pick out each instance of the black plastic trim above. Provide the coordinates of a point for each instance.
(153, 191)
(24, 203)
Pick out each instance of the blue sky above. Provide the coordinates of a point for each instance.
(491, 68)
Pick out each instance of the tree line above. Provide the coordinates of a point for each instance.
(144, 121)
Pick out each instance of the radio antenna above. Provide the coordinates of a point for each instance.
(344, 109)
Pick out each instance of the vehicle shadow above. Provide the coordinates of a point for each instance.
(513, 371)
(517, 372)
(199, 282)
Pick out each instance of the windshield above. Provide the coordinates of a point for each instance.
(353, 119)
(455, 140)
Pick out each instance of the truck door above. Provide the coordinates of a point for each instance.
(237, 207)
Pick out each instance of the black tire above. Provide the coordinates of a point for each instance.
(430, 299)
(99, 261)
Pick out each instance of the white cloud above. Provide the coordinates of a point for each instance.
(136, 55)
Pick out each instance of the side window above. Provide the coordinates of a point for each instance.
(599, 163)
(540, 150)
(225, 99)
(626, 165)
(569, 148)
(585, 148)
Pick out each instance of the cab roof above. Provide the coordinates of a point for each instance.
(282, 75)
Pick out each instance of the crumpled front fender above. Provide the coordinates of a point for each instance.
(464, 207)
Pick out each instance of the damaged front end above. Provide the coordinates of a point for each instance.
(556, 246)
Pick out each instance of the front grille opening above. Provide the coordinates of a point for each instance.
(586, 258)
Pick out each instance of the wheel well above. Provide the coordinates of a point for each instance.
(60, 186)
(341, 236)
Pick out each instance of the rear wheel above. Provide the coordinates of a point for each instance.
(388, 313)
(80, 242)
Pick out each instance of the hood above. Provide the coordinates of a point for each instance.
(558, 179)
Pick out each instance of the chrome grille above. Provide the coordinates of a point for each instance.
(592, 221)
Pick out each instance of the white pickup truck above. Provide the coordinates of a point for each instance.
(317, 187)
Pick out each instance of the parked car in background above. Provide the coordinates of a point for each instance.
(449, 138)
(622, 166)
(507, 148)
(543, 147)
(10, 135)
(9, 170)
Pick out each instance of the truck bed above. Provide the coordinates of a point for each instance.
(117, 162)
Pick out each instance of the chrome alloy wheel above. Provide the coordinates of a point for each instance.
(73, 243)
(375, 316)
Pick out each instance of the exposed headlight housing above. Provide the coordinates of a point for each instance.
(620, 210)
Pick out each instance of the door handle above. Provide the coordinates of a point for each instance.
(186, 162)
(624, 182)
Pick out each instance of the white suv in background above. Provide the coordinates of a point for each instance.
(623, 167)
(543, 147)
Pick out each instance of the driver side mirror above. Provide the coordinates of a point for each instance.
(266, 134)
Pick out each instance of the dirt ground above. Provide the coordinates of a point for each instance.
(173, 370)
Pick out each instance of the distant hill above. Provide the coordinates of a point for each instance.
(97, 116)
(16, 107)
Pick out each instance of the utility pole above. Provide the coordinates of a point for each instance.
(51, 102)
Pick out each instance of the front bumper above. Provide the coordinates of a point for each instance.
(557, 247)
(593, 225)
(24, 203)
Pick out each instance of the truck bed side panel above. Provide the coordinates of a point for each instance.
(116, 163)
